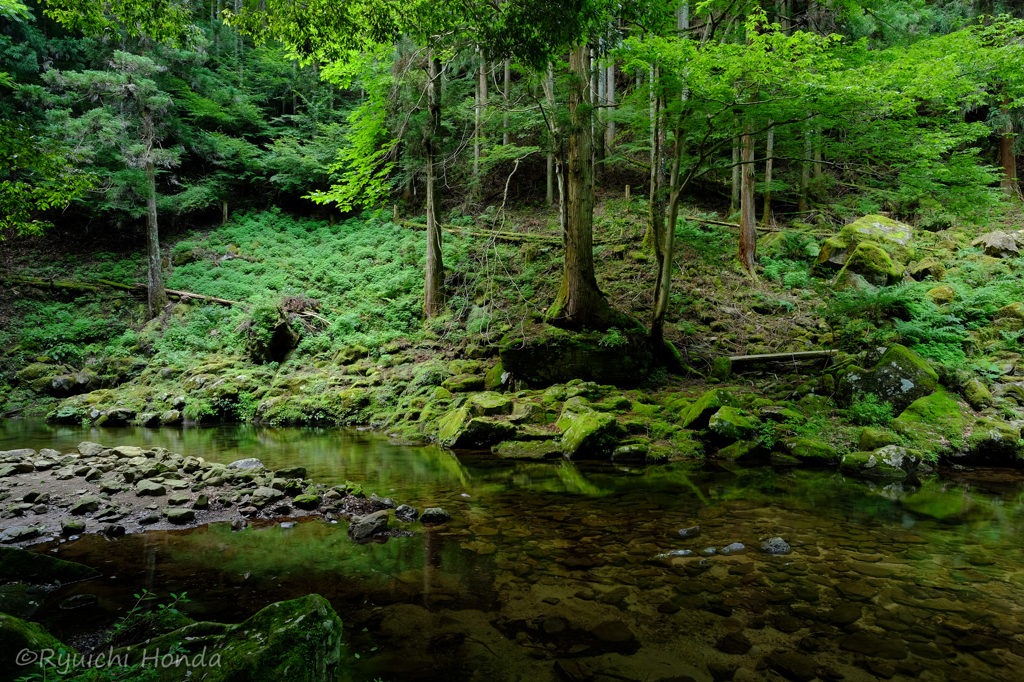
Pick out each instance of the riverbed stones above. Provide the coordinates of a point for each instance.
(406, 513)
(264, 496)
(179, 499)
(794, 666)
(150, 488)
(775, 545)
(612, 632)
(734, 644)
(731, 423)
(365, 526)
(878, 647)
(588, 434)
(90, 449)
(810, 451)
(87, 504)
(291, 472)
(250, 463)
(435, 515)
(307, 501)
(180, 515)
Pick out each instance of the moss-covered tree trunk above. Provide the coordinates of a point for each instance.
(768, 167)
(748, 216)
(433, 294)
(664, 254)
(579, 303)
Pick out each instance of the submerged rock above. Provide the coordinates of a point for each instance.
(406, 513)
(435, 515)
(40, 569)
(775, 545)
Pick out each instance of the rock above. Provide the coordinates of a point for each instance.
(406, 513)
(794, 666)
(994, 441)
(900, 377)
(878, 647)
(1014, 311)
(872, 438)
(531, 413)
(871, 465)
(943, 295)
(810, 451)
(149, 519)
(297, 641)
(588, 434)
(264, 496)
(633, 452)
(844, 613)
(72, 527)
(542, 355)
(927, 267)
(19, 534)
(435, 515)
(734, 643)
(574, 670)
(178, 499)
(85, 505)
(775, 546)
(290, 472)
(89, 449)
(307, 501)
(111, 487)
(463, 383)
(459, 429)
(40, 569)
(892, 236)
(250, 463)
(77, 601)
(528, 449)
(871, 264)
(171, 418)
(114, 530)
(613, 632)
(126, 452)
(931, 422)
(202, 502)
(685, 533)
(146, 487)
(16, 636)
(698, 415)
(731, 423)
(740, 450)
(999, 244)
(977, 394)
(180, 516)
(386, 501)
(364, 527)
(733, 548)
(489, 404)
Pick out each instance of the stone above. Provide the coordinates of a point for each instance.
(900, 377)
(927, 267)
(878, 647)
(77, 601)
(406, 513)
(171, 418)
(889, 463)
(111, 487)
(290, 472)
(386, 501)
(844, 613)
(794, 666)
(72, 527)
(264, 496)
(932, 422)
(892, 236)
(697, 415)
(89, 449)
(147, 487)
(588, 434)
(734, 643)
(17, 635)
(977, 394)
(40, 569)
(459, 429)
(942, 295)
(999, 244)
(126, 451)
(307, 501)
(869, 263)
(731, 423)
(365, 526)
(85, 505)
(994, 442)
(202, 502)
(180, 516)
(633, 452)
(435, 515)
(775, 545)
(872, 438)
(114, 530)
(19, 534)
(528, 449)
(250, 463)
(179, 499)
(810, 451)
(613, 632)
(574, 670)
(489, 404)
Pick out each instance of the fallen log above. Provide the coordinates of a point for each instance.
(101, 284)
(505, 236)
(784, 357)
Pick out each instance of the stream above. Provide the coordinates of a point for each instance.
(548, 570)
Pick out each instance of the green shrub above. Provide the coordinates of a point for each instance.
(868, 410)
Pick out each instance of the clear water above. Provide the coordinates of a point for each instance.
(545, 571)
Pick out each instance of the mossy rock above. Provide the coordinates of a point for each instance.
(741, 450)
(589, 434)
(615, 403)
(894, 237)
(496, 378)
(721, 368)
(297, 640)
(977, 394)
(463, 383)
(543, 355)
(349, 354)
(779, 414)
(732, 423)
(676, 402)
(40, 569)
(942, 295)
(927, 267)
(488, 404)
(17, 635)
(531, 449)
(810, 451)
(531, 413)
(645, 410)
(696, 416)
(871, 264)
(459, 429)
(872, 438)
(36, 371)
(934, 423)
(890, 463)
(994, 442)
(900, 377)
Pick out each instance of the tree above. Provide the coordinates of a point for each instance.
(127, 123)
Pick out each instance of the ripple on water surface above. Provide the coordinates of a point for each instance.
(556, 571)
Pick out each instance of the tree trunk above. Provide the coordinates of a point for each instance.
(748, 218)
(579, 303)
(478, 133)
(508, 91)
(655, 202)
(155, 275)
(433, 295)
(599, 125)
(224, 212)
(734, 200)
(768, 176)
(549, 96)
(663, 286)
(1007, 158)
(805, 172)
(609, 132)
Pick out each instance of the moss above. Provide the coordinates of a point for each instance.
(942, 295)
(464, 383)
(461, 430)
(977, 394)
(870, 465)
(17, 635)
(892, 236)
(933, 424)
(645, 410)
(744, 449)
(488, 404)
(495, 377)
(900, 377)
(870, 263)
(697, 415)
(994, 442)
(676, 402)
(40, 569)
(810, 451)
(589, 434)
(732, 423)
(534, 449)
(872, 438)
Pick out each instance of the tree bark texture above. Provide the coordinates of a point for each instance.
(748, 217)
(1007, 159)
(766, 218)
(433, 295)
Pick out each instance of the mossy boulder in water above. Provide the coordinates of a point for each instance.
(871, 264)
(460, 429)
(586, 433)
(810, 451)
(895, 238)
(543, 355)
(873, 438)
(888, 463)
(900, 377)
(297, 640)
(740, 450)
(731, 423)
(17, 635)
(697, 415)
(994, 442)
(934, 423)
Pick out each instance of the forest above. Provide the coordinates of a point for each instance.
(432, 317)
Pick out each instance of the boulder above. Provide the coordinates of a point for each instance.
(894, 237)
(460, 429)
(927, 267)
(291, 472)
(126, 452)
(489, 404)
(977, 394)
(529, 449)
(86, 504)
(531, 413)
(16, 636)
(999, 244)
(942, 295)
(810, 451)
(368, 525)
(89, 449)
(588, 434)
(463, 383)
(934, 423)
(18, 565)
(297, 640)
(994, 442)
(872, 438)
(406, 513)
(743, 449)
(697, 415)
(250, 463)
(891, 462)
(900, 377)
(307, 501)
(264, 496)
(435, 515)
(147, 487)
(868, 263)
(731, 423)
(775, 545)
